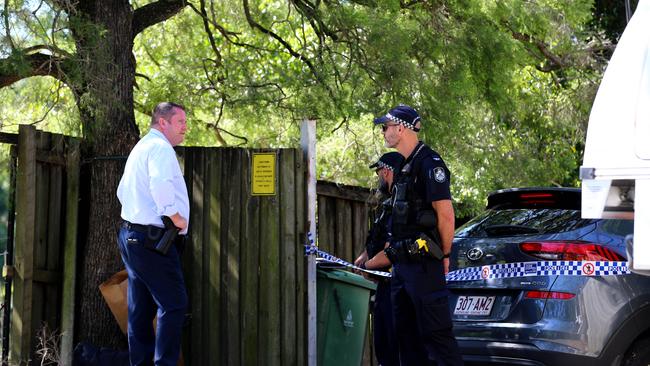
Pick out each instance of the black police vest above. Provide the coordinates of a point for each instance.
(411, 216)
(378, 234)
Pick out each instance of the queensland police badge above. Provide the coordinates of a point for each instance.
(439, 174)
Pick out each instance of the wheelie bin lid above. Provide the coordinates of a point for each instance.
(347, 277)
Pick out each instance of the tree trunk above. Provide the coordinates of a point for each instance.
(104, 93)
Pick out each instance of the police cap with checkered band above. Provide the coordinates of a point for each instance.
(391, 161)
(402, 114)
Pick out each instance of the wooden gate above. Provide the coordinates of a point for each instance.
(47, 182)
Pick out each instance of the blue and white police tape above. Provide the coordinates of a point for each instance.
(507, 270)
(542, 268)
(312, 249)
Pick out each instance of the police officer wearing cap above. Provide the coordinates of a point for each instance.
(422, 233)
(384, 338)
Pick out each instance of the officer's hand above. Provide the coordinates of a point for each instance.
(362, 259)
(445, 263)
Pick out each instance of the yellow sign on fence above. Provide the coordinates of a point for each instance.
(263, 174)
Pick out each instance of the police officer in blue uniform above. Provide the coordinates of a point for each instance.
(422, 233)
(384, 338)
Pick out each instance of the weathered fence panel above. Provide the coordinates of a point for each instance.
(344, 216)
(46, 199)
(243, 269)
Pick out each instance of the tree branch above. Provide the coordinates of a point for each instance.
(230, 36)
(7, 29)
(18, 67)
(554, 62)
(311, 12)
(155, 13)
(287, 46)
(58, 52)
(213, 43)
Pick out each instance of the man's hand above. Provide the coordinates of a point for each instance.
(179, 221)
(378, 261)
(445, 263)
(362, 259)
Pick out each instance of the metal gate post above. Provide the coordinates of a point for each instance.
(308, 144)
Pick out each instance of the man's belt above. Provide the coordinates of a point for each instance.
(155, 231)
(150, 230)
(155, 236)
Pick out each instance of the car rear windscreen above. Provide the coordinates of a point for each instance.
(515, 222)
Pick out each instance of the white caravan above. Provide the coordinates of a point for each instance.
(616, 167)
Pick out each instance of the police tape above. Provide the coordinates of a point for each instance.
(507, 270)
(542, 268)
(324, 256)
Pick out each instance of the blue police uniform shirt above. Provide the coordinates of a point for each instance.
(432, 176)
(379, 233)
(428, 180)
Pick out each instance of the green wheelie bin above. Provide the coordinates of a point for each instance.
(343, 304)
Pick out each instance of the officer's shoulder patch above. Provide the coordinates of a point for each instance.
(439, 174)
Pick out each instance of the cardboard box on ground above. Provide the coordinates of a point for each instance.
(114, 292)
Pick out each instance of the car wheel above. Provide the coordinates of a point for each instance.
(638, 354)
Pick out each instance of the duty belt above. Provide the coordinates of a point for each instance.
(397, 252)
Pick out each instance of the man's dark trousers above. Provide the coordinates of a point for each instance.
(421, 314)
(156, 285)
(383, 330)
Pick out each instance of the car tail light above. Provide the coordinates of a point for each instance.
(549, 295)
(569, 251)
(536, 198)
(535, 195)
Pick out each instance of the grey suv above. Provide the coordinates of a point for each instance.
(555, 319)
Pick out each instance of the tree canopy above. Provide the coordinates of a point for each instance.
(504, 89)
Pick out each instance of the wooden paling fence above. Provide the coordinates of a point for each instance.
(47, 186)
(244, 267)
(344, 214)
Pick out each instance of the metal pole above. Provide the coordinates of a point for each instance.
(308, 144)
(628, 11)
(7, 270)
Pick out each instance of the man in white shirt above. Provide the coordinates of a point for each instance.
(153, 186)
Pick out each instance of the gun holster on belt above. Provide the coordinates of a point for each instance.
(426, 246)
(168, 237)
(413, 250)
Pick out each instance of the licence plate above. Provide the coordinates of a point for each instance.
(474, 305)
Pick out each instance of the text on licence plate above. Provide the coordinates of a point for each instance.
(474, 305)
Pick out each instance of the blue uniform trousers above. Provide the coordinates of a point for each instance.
(156, 288)
(421, 315)
(386, 348)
